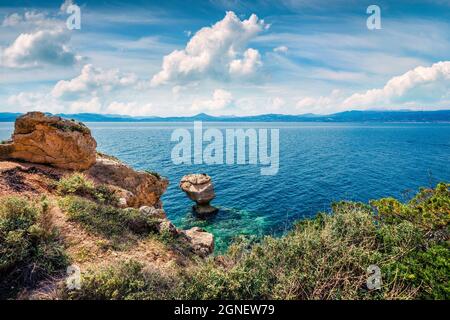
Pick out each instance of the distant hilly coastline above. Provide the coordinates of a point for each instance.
(347, 116)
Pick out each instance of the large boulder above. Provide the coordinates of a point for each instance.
(202, 242)
(51, 140)
(152, 212)
(199, 188)
(138, 188)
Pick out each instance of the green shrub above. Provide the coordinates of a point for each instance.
(79, 184)
(125, 281)
(106, 220)
(29, 246)
(323, 258)
(327, 257)
(429, 209)
(427, 270)
(154, 173)
(76, 183)
(71, 126)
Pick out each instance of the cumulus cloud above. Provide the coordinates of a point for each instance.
(42, 47)
(315, 104)
(92, 105)
(216, 51)
(93, 81)
(418, 88)
(221, 99)
(26, 100)
(129, 108)
(421, 85)
(248, 65)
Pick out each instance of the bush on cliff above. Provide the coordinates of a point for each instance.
(79, 184)
(321, 258)
(106, 220)
(125, 281)
(30, 250)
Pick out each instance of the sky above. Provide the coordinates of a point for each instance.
(224, 57)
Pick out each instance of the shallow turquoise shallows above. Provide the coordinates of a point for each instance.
(319, 163)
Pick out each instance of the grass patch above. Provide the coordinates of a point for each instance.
(79, 184)
(125, 281)
(108, 221)
(30, 250)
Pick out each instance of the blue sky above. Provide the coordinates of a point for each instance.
(224, 57)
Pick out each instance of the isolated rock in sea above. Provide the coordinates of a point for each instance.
(199, 188)
(139, 188)
(51, 140)
(152, 212)
(202, 242)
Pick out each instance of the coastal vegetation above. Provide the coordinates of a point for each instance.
(30, 248)
(321, 258)
(325, 257)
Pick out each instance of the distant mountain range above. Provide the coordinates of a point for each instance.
(347, 116)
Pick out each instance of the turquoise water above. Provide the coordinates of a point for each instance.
(319, 163)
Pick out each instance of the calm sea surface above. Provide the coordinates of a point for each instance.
(319, 163)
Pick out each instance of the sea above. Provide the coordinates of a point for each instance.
(319, 163)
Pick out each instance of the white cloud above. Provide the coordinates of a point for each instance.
(12, 20)
(221, 99)
(92, 105)
(281, 49)
(25, 99)
(321, 104)
(213, 50)
(34, 101)
(248, 65)
(420, 85)
(65, 5)
(418, 88)
(30, 19)
(275, 104)
(42, 47)
(129, 108)
(93, 81)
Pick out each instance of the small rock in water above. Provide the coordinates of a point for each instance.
(199, 188)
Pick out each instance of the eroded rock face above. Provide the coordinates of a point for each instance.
(202, 242)
(166, 225)
(152, 212)
(51, 140)
(139, 188)
(199, 188)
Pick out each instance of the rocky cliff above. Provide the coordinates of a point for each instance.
(51, 140)
(56, 158)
